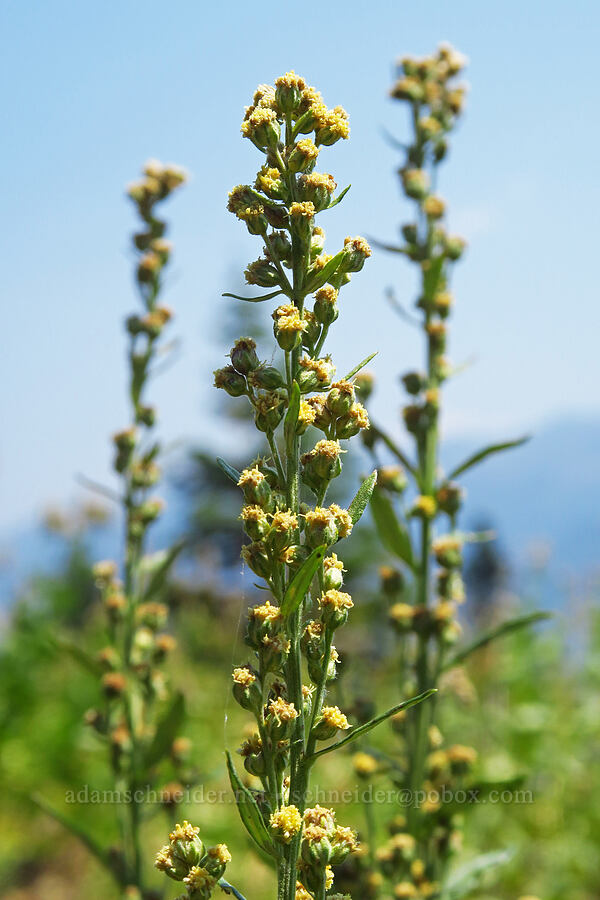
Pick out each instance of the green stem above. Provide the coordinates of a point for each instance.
(318, 701)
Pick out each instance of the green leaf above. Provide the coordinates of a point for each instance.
(166, 731)
(360, 366)
(79, 831)
(482, 454)
(254, 299)
(360, 730)
(339, 197)
(398, 453)
(394, 535)
(391, 248)
(363, 495)
(432, 276)
(157, 566)
(291, 417)
(300, 583)
(467, 877)
(499, 631)
(323, 275)
(249, 812)
(228, 470)
(64, 644)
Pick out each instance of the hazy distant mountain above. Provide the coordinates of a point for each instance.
(547, 490)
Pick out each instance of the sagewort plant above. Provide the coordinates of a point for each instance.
(140, 714)
(422, 534)
(292, 657)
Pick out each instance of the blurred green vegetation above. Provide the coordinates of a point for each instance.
(530, 704)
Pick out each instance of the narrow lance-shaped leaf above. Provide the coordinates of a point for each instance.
(499, 631)
(319, 278)
(432, 276)
(254, 299)
(360, 366)
(228, 470)
(360, 730)
(79, 831)
(166, 730)
(291, 417)
(363, 495)
(339, 197)
(300, 583)
(390, 248)
(394, 536)
(157, 567)
(66, 645)
(483, 454)
(249, 812)
(467, 877)
(391, 445)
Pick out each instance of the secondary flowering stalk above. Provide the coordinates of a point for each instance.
(290, 635)
(423, 611)
(134, 686)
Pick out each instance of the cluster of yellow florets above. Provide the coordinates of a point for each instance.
(186, 859)
(285, 823)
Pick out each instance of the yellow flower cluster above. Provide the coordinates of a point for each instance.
(285, 823)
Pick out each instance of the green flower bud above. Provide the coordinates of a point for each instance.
(392, 478)
(280, 719)
(333, 573)
(320, 527)
(247, 689)
(408, 88)
(455, 247)
(332, 720)
(231, 381)
(256, 523)
(281, 245)
(288, 326)
(301, 221)
(262, 128)
(325, 308)
(288, 92)
(316, 846)
(256, 488)
(266, 378)
(317, 189)
(449, 498)
(257, 559)
(448, 551)
(321, 464)
(414, 382)
(357, 251)
(261, 273)
(415, 182)
(269, 409)
(312, 329)
(350, 424)
(312, 642)
(243, 355)
(331, 125)
(303, 156)
(340, 398)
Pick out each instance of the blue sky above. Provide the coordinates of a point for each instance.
(91, 90)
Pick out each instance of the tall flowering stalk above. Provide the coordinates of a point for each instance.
(424, 536)
(291, 635)
(140, 714)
